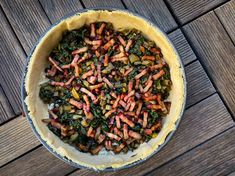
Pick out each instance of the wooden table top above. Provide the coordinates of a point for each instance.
(203, 32)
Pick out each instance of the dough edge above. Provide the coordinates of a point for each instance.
(38, 110)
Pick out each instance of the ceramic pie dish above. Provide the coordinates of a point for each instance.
(36, 110)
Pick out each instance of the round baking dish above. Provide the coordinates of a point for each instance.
(35, 110)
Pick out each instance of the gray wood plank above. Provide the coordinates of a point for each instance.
(57, 9)
(215, 157)
(38, 162)
(16, 139)
(11, 64)
(217, 53)
(27, 19)
(6, 110)
(185, 51)
(154, 10)
(103, 3)
(186, 10)
(199, 85)
(232, 173)
(200, 122)
(226, 14)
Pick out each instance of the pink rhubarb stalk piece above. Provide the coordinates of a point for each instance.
(70, 81)
(107, 114)
(80, 50)
(125, 131)
(134, 135)
(126, 120)
(97, 86)
(155, 67)
(89, 73)
(88, 93)
(151, 58)
(109, 44)
(92, 30)
(108, 82)
(55, 64)
(122, 41)
(128, 45)
(128, 71)
(113, 136)
(141, 74)
(115, 104)
(100, 30)
(118, 123)
(140, 104)
(75, 103)
(158, 75)
(145, 121)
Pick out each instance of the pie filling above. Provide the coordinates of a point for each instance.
(106, 89)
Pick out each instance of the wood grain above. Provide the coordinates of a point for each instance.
(6, 110)
(215, 157)
(27, 19)
(57, 9)
(199, 85)
(217, 53)
(11, 64)
(200, 122)
(103, 3)
(226, 14)
(185, 51)
(232, 173)
(186, 10)
(154, 10)
(38, 162)
(16, 139)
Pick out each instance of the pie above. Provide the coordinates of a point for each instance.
(104, 88)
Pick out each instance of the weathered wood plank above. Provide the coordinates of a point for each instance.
(232, 173)
(194, 82)
(217, 53)
(6, 110)
(186, 10)
(86, 172)
(185, 51)
(226, 14)
(155, 10)
(38, 162)
(199, 85)
(16, 139)
(103, 3)
(57, 9)
(215, 157)
(27, 19)
(11, 63)
(200, 122)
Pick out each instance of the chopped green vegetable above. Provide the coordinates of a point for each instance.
(46, 93)
(133, 58)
